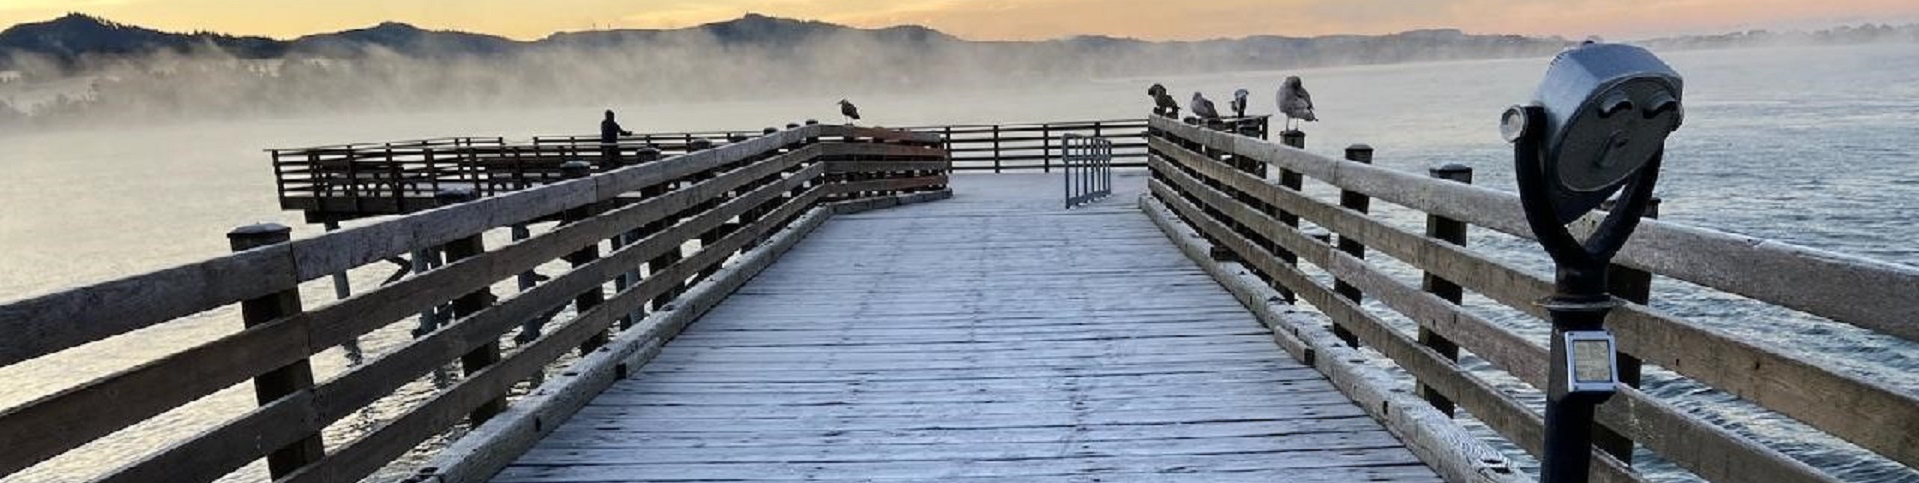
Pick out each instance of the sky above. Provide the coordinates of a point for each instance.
(998, 19)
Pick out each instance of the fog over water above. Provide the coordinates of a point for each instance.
(1816, 146)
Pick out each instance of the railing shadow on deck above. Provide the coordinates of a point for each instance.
(628, 228)
(1242, 197)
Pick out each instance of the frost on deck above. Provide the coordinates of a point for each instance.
(992, 336)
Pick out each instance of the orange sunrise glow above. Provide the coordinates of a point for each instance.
(996, 19)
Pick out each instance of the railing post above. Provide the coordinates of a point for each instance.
(996, 160)
(1046, 148)
(660, 263)
(487, 353)
(1291, 180)
(1450, 231)
(1632, 285)
(1066, 171)
(593, 296)
(631, 276)
(1356, 201)
(709, 237)
(295, 377)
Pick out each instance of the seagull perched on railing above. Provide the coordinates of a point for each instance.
(1203, 107)
(1163, 103)
(849, 110)
(1239, 102)
(1295, 103)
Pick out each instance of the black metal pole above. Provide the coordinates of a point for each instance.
(1579, 302)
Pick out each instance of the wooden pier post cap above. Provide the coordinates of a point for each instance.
(576, 169)
(452, 196)
(735, 138)
(1359, 152)
(647, 154)
(1293, 137)
(699, 145)
(1449, 170)
(258, 235)
(769, 130)
(792, 125)
(812, 122)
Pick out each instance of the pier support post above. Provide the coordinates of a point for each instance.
(595, 295)
(1450, 231)
(343, 288)
(1356, 201)
(487, 353)
(295, 377)
(1631, 285)
(425, 259)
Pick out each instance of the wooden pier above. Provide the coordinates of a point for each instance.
(1052, 345)
(833, 303)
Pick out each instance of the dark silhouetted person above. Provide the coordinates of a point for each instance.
(610, 133)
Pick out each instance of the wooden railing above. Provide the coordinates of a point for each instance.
(333, 183)
(341, 182)
(1039, 146)
(1243, 196)
(613, 228)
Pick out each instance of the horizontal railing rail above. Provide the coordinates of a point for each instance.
(1016, 147)
(647, 232)
(1218, 183)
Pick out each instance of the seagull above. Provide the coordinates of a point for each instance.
(1163, 103)
(1203, 107)
(1239, 102)
(1295, 103)
(849, 110)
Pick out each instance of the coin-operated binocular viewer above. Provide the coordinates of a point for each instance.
(1597, 127)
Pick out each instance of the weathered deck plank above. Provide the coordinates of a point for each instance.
(991, 337)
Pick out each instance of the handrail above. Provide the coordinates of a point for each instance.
(1214, 181)
(726, 197)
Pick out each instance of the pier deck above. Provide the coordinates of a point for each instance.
(992, 336)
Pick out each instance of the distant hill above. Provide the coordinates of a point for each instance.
(403, 39)
(69, 39)
(74, 36)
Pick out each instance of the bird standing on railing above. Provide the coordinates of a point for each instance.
(1204, 108)
(1295, 103)
(1239, 102)
(849, 110)
(1163, 104)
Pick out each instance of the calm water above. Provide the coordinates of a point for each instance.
(1814, 146)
